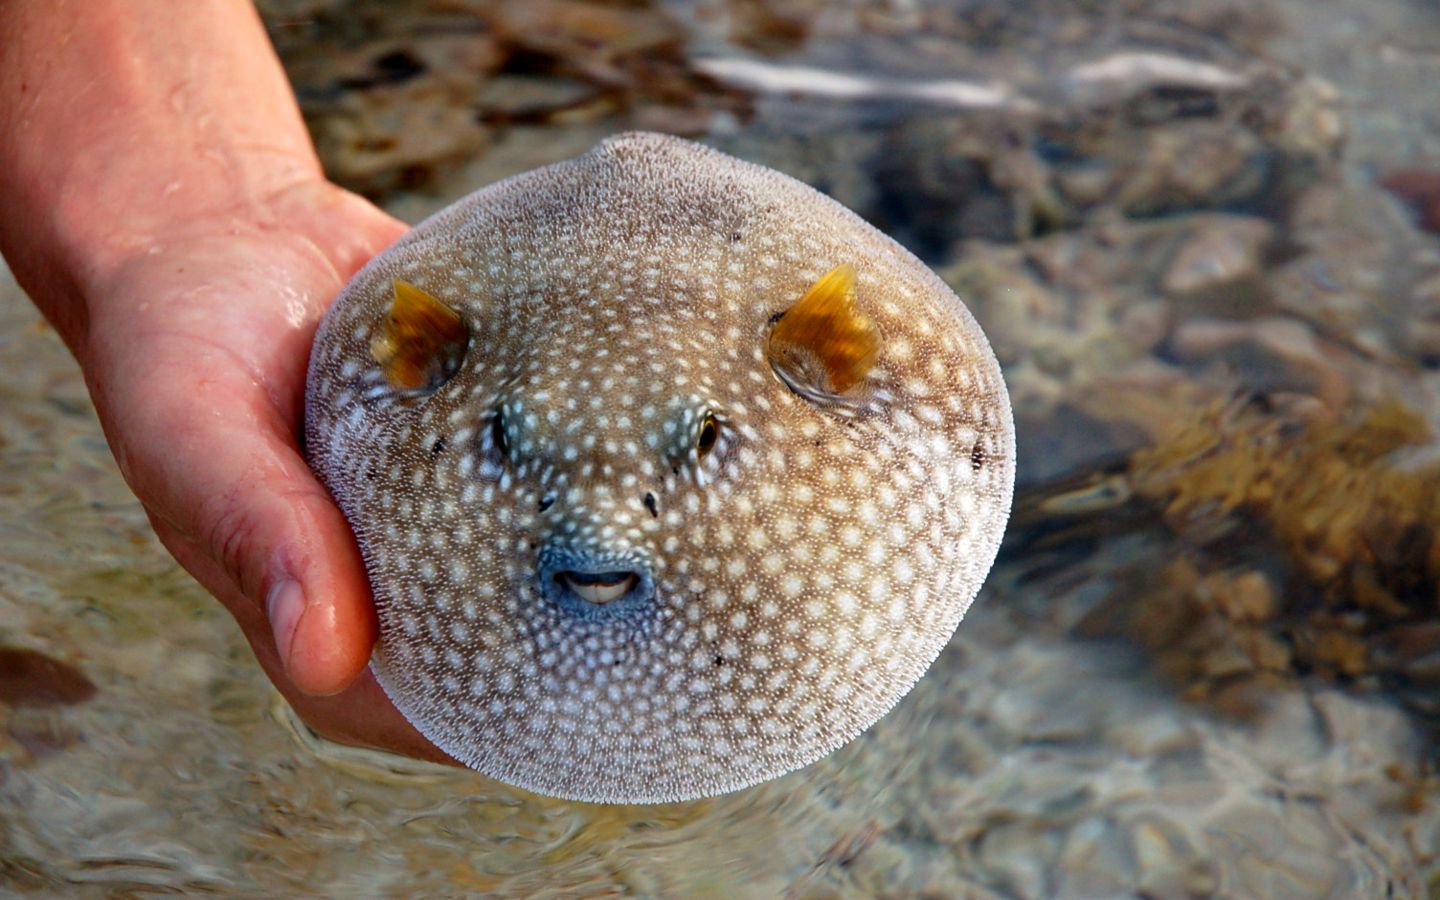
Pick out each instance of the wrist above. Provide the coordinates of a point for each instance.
(131, 124)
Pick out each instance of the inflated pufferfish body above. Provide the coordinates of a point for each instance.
(671, 474)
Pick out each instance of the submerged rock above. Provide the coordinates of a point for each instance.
(30, 678)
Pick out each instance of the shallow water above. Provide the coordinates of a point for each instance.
(1205, 663)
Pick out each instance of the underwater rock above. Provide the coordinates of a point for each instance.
(1194, 164)
(398, 95)
(396, 136)
(527, 98)
(1123, 76)
(1222, 252)
(771, 26)
(1421, 334)
(1420, 189)
(30, 678)
(394, 110)
(597, 40)
(1269, 355)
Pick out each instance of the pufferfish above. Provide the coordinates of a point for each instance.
(671, 474)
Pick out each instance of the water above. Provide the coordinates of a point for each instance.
(1204, 664)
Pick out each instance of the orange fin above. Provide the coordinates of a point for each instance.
(422, 341)
(824, 346)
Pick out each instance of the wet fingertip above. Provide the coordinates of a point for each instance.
(328, 651)
(312, 661)
(284, 607)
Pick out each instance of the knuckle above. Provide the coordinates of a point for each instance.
(231, 535)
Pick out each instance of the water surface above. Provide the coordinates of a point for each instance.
(1206, 661)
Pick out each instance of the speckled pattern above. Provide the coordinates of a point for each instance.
(804, 572)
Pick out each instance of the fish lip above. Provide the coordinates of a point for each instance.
(590, 583)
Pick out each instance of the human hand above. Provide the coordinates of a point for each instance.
(165, 209)
(196, 355)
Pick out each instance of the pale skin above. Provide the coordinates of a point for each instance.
(165, 209)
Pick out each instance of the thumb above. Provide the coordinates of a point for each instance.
(260, 532)
(198, 389)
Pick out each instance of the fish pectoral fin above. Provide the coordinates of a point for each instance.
(823, 346)
(421, 342)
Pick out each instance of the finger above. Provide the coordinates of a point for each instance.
(200, 397)
(360, 715)
(270, 527)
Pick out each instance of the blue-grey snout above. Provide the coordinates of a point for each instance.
(594, 583)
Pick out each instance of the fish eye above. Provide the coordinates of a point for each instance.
(709, 430)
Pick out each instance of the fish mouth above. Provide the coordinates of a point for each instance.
(599, 588)
(594, 583)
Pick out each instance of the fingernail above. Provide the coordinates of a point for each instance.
(284, 605)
